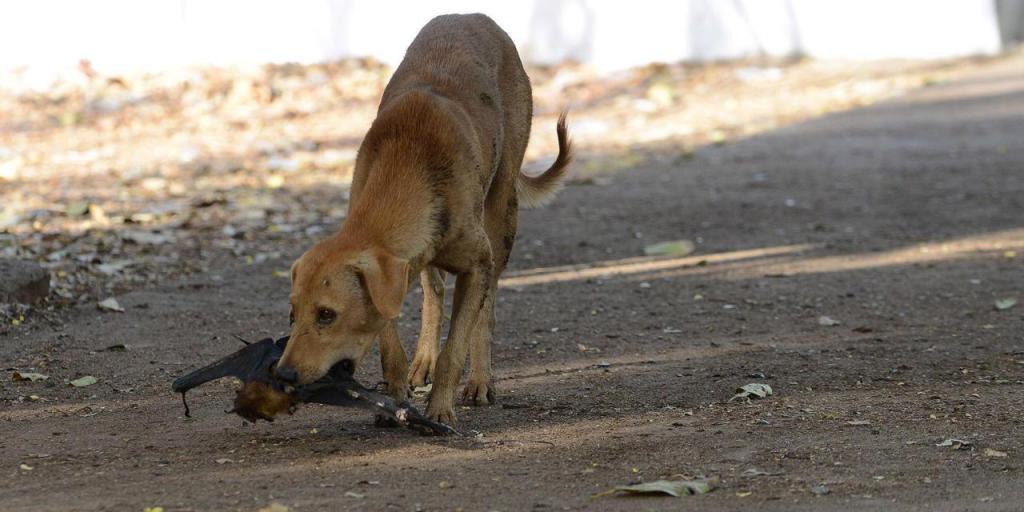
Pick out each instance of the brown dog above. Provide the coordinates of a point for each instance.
(437, 185)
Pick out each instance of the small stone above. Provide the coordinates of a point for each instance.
(23, 281)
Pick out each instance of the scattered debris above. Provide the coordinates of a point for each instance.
(275, 507)
(82, 382)
(675, 248)
(750, 391)
(996, 454)
(110, 304)
(827, 321)
(956, 444)
(667, 487)
(28, 376)
(858, 423)
(820, 490)
(1004, 304)
(754, 472)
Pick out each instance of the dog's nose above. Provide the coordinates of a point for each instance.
(286, 374)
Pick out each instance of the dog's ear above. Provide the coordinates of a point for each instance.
(295, 269)
(387, 280)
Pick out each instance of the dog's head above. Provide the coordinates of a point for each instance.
(341, 298)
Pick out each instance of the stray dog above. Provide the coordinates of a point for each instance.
(437, 187)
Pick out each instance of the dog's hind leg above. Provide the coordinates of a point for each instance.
(429, 343)
(479, 388)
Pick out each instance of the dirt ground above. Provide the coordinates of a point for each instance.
(899, 222)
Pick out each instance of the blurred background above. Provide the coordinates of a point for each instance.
(140, 140)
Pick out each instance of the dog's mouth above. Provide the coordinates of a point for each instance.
(342, 370)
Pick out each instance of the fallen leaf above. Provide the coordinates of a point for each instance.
(669, 487)
(355, 495)
(223, 461)
(989, 452)
(755, 390)
(26, 467)
(76, 208)
(114, 267)
(675, 248)
(82, 382)
(754, 472)
(827, 321)
(146, 237)
(956, 444)
(29, 376)
(153, 509)
(110, 305)
(820, 490)
(858, 423)
(275, 507)
(1002, 304)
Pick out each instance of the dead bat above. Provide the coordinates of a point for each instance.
(262, 397)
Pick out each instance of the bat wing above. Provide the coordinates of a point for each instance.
(252, 362)
(349, 393)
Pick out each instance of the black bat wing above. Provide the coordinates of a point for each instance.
(252, 362)
(349, 393)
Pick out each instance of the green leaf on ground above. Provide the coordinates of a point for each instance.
(674, 248)
(82, 382)
(668, 487)
(1007, 303)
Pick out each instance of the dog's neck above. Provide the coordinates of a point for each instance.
(395, 204)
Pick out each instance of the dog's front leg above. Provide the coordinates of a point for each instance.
(429, 343)
(471, 290)
(393, 362)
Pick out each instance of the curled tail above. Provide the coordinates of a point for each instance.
(538, 190)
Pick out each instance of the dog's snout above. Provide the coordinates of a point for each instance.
(286, 374)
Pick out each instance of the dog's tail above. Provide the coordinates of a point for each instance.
(538, 190)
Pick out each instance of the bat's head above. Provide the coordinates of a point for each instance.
(342, 296)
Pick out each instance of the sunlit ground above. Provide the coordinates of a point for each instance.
(117, 181)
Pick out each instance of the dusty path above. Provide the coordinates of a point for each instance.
(901, 221)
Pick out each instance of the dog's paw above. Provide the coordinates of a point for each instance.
(422, 368)
(478, 392)
(400, 391)
(441, 413)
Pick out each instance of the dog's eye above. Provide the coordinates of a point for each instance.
(325, 316)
